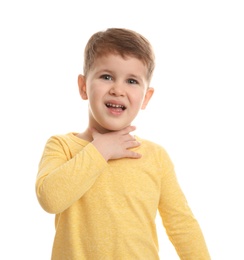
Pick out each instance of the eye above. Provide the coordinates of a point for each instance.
(106, 77)
(132, 81)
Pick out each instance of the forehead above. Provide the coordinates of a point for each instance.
(121, 63)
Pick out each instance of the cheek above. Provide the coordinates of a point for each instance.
(93, 92)
(137, 100)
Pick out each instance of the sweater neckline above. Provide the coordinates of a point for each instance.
(73, 136)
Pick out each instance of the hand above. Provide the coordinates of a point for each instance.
(116, 145)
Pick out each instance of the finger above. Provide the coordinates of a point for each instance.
(133, 155)
(129, 137)
(132, 144)
(128, 129)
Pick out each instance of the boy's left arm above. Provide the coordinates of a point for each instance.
(181, 226)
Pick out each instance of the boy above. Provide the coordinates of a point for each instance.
(104, 184)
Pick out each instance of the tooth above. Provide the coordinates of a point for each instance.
(115, 105)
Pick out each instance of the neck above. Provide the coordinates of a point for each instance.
(86, 135)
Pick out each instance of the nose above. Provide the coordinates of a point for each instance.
(118, 89)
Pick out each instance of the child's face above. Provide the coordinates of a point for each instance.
(116, 89)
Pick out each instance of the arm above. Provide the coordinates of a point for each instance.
(181, 226)
(61, 181)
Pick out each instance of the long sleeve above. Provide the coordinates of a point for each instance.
(181, 226)
(62, 177)
(107, 209)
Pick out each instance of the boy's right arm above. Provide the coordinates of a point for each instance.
(61, 181)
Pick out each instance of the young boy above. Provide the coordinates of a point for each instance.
(104, 184)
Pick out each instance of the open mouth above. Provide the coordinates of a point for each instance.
(115, 106)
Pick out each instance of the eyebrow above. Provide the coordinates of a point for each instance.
(104, 71)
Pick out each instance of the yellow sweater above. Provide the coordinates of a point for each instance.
(106, 210)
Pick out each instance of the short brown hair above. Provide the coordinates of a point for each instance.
(120, 41)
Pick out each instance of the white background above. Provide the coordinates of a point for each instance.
(196, 113)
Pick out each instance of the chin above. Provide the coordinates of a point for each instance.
(115, 128)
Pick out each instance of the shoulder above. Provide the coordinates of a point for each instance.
(68, 138)
(155, 152)
(155, 158)
(66, 145)
(147, 144)
(68, 141)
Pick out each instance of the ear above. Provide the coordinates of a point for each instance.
(82, 87)
(147, 97)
